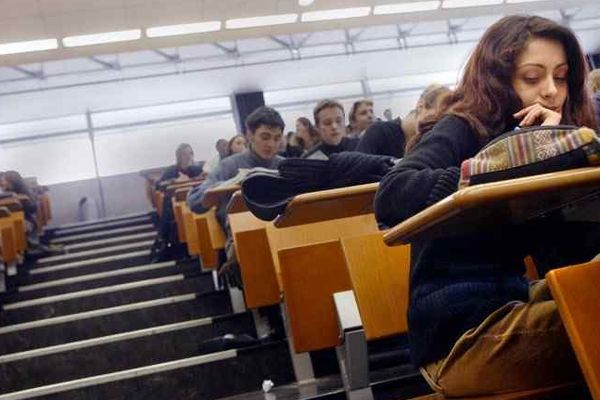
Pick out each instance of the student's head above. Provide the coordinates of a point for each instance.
(237, 144)
(306, 134)
(184, 155)
(329, 120)
(594, 80)
(12, 181)
(521, 61)
(432, 102)
(387, 114)
(222, 147)
(265, 131)
(361, 115)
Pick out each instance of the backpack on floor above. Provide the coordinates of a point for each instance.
(531, 151)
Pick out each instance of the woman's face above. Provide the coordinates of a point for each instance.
(541, 75)
(4, 183)
(238, 145)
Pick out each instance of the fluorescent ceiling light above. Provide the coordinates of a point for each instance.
(99, 38)
(29, 46)
(265, 20)
(522, 1)
(339, 13)
(305, 3)
(399, 8)
(469, 3)
(183, 29)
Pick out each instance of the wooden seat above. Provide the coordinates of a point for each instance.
(309, 261)
(259, 244)
(8, 238)
(211, 238)
(379, 277)
(575, 290)
(261, 286)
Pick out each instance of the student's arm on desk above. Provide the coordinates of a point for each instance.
(427, 174)
(224, 171)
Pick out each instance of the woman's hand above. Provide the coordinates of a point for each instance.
(538, 115)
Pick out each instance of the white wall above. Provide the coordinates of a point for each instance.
(293, 86)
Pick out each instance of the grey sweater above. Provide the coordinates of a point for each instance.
(227, 169)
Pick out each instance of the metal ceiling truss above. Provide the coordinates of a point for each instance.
(294, 43)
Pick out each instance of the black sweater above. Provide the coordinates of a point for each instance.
(324, 150)
(456, 282)
(173, 172)
(385, 138)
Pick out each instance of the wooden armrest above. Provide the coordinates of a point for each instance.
(213, 196)
(507, 202)
(172, 188)
(328, 204)
(12, 203)
(237, 203)
(181, 193)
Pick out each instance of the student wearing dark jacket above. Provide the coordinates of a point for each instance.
(391, 138)
(184, 167)
(476, 326)
(166, 243)
(11, 181)
(330, 123)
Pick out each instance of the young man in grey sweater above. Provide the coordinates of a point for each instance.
(264, 133)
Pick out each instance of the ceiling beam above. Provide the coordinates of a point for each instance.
(232, 52)
(32, 74)
(108, 65)
(176, 58)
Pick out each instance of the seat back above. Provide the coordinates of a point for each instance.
(575, 290)
(379, 276)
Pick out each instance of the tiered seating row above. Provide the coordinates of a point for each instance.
(328, 243)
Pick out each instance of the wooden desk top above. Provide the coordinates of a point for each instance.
(237, 204)
(181, 193)
(213, 196)
(12, 203)
(512, 201)
(327, 205)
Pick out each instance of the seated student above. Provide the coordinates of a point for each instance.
(236, 145)
(388, 138)
(476, 326)
(361, 117)
(306, 134)
(291, 147)
(329, 120)
(11, 181)
(222, 151)
(184, 167)
(265, 131)
(595, 88)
